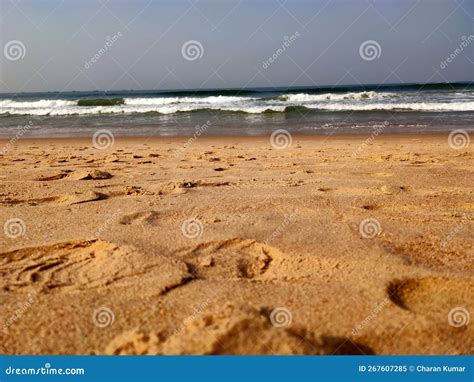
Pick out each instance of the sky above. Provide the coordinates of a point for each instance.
(68, 45)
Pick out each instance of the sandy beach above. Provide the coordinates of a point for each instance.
(227, 245)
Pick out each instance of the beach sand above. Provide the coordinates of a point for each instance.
(227, 245)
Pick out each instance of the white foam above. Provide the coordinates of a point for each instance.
(44, 103)
(363, 101)
(415, 106)
(304, 97)
(198, 100)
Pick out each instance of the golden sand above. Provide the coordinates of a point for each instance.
(334, 245)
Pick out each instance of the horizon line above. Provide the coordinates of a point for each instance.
(251, 89)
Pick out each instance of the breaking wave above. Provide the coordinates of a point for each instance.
(254, 103)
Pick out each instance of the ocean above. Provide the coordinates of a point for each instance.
(323, 110)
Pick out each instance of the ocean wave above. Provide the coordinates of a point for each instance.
(287, 103)
(413, 106)
(186, 100)
(304, 97)
(142, 110)
(44, 103)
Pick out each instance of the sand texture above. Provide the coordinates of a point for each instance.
(333, 245)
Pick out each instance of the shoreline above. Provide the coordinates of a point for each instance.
(355, 136)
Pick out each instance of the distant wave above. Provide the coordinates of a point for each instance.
(186, 100)
(304, 97)
(255, 103)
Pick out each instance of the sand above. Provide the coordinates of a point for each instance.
(334, 245)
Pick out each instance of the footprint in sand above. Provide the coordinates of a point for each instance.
(32, 202)
(231, 330)
(144, 217)
(238, 258)
(134, 342)
(432, 296)
(242, 330)
(76, 175)
(77, 198)
(56, 176)
(90, 175)
(229, 259)
(83, 197)
(70, 266)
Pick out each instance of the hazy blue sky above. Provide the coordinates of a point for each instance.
(237, 38)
